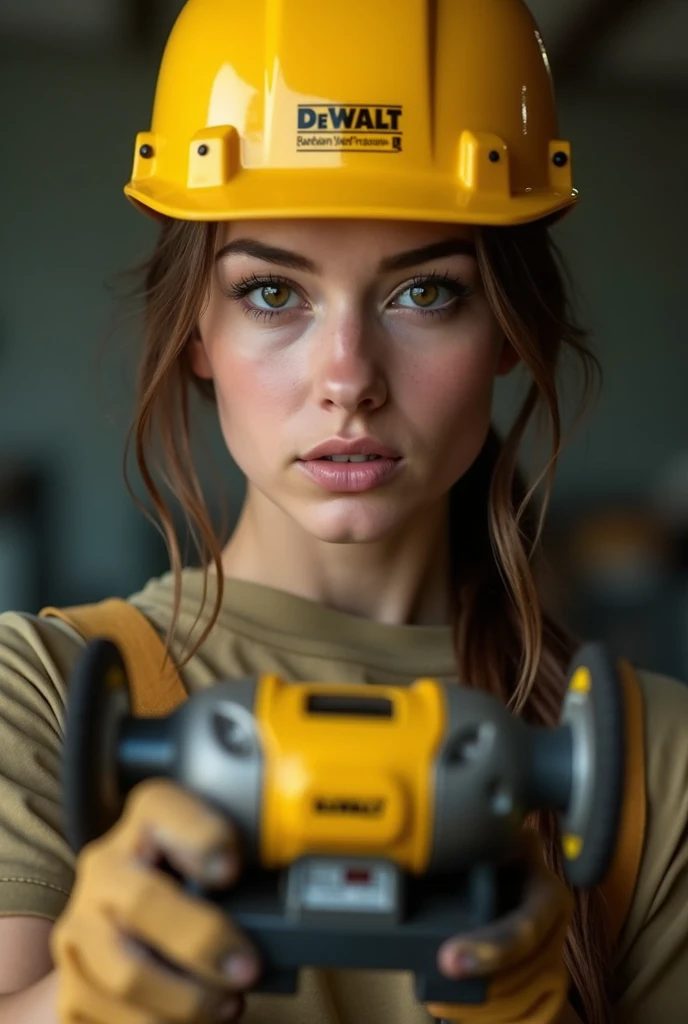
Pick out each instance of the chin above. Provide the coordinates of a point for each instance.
(344, 523)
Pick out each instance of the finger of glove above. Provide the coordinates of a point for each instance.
(546, 1009)
(160, 819)
(544, 973)
(80, 1002)
(534, 992)
(544, 913)
(149, 906)
(117, 966)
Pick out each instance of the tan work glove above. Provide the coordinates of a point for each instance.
(522, 954)
(131, 946)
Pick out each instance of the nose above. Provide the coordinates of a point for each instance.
(348, 368)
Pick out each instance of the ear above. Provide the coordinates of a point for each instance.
(198, 357)
(508, 359)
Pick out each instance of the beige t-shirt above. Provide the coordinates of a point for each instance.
(264, 630)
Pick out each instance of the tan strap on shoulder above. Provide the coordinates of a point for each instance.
(156, 685)
(618, 887)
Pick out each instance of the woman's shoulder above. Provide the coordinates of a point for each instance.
(665, 703)
(36, 654)
(38, 651)
(654, 942)
(665, 717)
(665, 735)
(46, 645)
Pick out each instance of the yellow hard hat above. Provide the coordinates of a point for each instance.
(434, 110)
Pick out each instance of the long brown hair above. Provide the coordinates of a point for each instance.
(505, 643)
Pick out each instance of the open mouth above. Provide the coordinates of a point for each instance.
(349, 458)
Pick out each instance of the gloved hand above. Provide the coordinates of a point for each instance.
(131, 946)
(521, 953)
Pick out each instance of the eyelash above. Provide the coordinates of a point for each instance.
(249, 284)
(461, 291)
(246, 285)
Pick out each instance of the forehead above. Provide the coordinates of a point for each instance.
(328, 241)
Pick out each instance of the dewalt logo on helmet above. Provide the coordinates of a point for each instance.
(349, 127)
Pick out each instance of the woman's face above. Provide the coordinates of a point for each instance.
(328, 333)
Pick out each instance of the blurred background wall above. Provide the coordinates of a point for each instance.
(76, 84)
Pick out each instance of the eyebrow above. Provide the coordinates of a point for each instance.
(295, 261)
(268, 253)
(434, 251)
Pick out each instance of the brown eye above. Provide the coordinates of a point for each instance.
(275, 295)
(424, 294)
(436, 296)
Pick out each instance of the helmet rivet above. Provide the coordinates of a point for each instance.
(202, 149)
(494, 156)
(560, 159)
(146, 151)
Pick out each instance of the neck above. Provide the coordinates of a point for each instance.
(400, 580)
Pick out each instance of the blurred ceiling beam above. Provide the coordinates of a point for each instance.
(593, 25)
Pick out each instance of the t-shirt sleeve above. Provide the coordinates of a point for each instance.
(36, 864)
(652, 967)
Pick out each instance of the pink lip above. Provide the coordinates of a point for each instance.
(350, 477)
(358, 446)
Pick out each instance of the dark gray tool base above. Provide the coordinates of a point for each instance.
(435, 911)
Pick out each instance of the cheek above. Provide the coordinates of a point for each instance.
(255, 371)
(449, 394)
(256, 395)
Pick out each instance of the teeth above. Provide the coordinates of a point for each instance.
(351, 458)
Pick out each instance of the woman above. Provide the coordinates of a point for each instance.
(354, 246)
